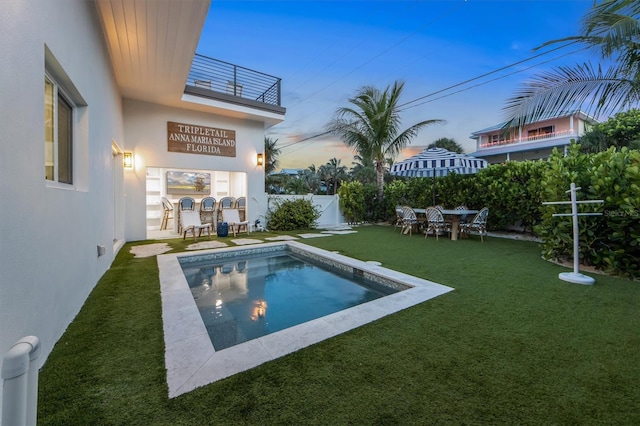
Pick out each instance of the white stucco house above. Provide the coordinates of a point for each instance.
(82, 83)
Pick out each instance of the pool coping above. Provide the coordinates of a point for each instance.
(190, 359)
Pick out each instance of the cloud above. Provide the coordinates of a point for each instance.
(410, 151)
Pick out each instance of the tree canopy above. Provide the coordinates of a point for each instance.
(448, 144)
(271, 153)
(623, 129)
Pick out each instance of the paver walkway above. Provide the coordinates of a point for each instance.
(160, 248)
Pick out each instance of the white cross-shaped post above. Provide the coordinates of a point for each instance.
(575, 277)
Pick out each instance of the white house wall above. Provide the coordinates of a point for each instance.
(146, 136)
(48, 254)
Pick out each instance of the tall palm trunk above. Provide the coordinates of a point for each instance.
(380, 179)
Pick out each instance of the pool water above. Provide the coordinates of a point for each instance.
(244, 298)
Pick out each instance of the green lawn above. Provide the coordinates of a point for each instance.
(512, 344)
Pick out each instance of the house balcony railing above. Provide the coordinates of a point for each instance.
(545, 136)
(232, 80)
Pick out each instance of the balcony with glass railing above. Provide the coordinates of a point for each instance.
(527, 139)
(223, 81)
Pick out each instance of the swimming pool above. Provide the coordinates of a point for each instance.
(190, 357)
(263, 293)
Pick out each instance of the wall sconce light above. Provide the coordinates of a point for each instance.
(128, 160)
(260, 159)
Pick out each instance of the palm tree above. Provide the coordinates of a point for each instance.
(311, 179)
(372, 126)
(613, 29)
(362, 170)
(448, 144)
(271, 153)
(333, 173)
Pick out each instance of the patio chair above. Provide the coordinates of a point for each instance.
(478, 224)
(435, 222)
(241, 205)
(232, 217)
(187, 203)
(208, 210)
(184, 204)
(167, 214)
(409, 220)
(463, 218)
(225, 203)
(190, 221)
(399, 217)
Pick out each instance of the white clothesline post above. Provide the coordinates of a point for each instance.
(575, 277)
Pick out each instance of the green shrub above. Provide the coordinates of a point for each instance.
(374, 208)
(512, 191)
(610, 242)
(292, 214)
(395, 193)
(352, 201)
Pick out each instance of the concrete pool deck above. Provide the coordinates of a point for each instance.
(190, 359)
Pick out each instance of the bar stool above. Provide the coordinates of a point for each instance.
(241, 205)
(167, 207)
(185, 203)
(208, 210)
(225, 203)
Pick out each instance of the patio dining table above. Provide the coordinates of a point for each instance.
(453, 216)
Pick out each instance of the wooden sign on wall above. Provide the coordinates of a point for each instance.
(203, 140)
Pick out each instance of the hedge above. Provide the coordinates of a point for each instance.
(514, 193)
(610, 242)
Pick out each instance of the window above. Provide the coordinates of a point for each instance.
(498, 138)
(541, 131)
(58, 132)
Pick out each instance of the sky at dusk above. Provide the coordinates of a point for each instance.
(325, 51)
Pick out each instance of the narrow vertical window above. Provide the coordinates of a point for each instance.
(49, 142)
(65, 151)
(58, 134)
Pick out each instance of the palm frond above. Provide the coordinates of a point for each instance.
(609, 26)
(607, 13)
(404, 138)
(614, 34)
(568, 89)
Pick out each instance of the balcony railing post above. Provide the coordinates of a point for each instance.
(279, 92)
(235, 80)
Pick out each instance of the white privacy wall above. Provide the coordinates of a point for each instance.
(146, 136)
(49, 235)
(328, 206)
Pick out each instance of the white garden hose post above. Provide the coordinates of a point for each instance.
(575, 277)
(20, 383)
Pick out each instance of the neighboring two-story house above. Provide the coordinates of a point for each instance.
(532, 142)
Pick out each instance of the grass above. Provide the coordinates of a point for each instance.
(511, 345)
